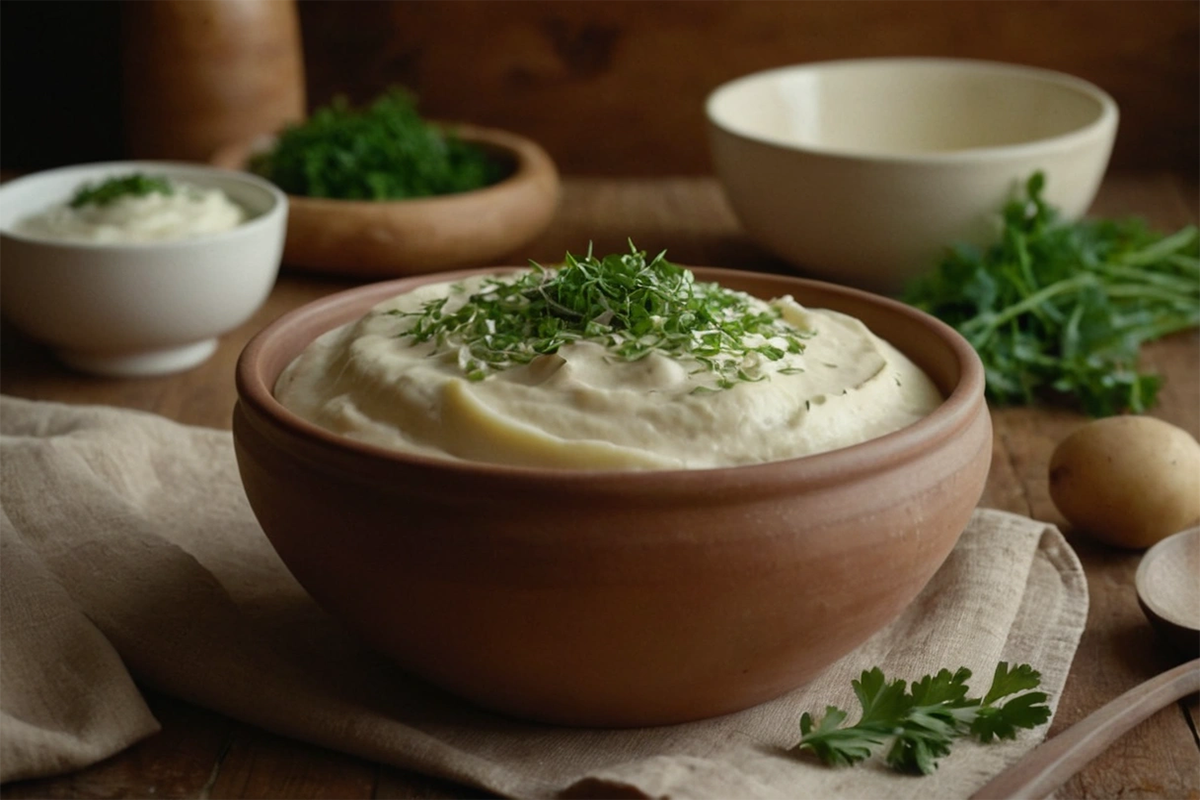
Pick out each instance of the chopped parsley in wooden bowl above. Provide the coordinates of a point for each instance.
(384, 151)
(377, 191)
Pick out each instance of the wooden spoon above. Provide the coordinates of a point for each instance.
(1169, 593)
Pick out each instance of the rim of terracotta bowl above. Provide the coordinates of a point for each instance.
(268, 352)
(185, 171)
(1104, 121)
(529, 160)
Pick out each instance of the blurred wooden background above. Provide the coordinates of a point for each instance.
(617, 88)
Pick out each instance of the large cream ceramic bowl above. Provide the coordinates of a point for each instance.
(616, 598)
(146, 308)
(863, 171)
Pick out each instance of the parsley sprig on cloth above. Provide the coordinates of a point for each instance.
(1060, 308)
(919, 724)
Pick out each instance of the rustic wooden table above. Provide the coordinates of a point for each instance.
(202, 754)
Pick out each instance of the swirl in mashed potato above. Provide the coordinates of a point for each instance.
(583, 408)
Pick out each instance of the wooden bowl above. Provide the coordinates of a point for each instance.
(615, 598)
(387, 239)
(1169, 592)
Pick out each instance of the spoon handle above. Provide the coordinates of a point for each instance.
(1048, 765)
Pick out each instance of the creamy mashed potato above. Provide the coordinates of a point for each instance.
(186, 212)
(583, 407)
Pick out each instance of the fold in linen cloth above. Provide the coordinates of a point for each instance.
(131, 554)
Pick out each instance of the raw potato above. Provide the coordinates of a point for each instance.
(1128, 481)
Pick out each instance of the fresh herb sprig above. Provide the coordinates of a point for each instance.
(384, 151)
(919, 724)
(632, 305)
(133, 185)
(1061, 309)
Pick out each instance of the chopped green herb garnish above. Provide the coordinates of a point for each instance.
(385, 151)
(631, 305)
(1061, 308)
(135, 185)
(918, 724)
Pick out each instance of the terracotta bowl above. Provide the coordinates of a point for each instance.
(389, 239)
(615, 598)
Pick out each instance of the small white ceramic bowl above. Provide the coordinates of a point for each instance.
(863, 171)
(146, 308)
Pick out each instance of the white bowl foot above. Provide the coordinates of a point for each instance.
(133, 365)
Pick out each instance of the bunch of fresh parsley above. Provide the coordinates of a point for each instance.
(1061, 309)
(918, 724)
(385, 151)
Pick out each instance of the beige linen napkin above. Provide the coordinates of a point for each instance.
(129, 550)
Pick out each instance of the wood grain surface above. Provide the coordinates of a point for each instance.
(608, 88)
(202, 754)
(199, 74)
(618, 88)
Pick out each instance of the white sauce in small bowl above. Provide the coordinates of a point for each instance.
(187, 212)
